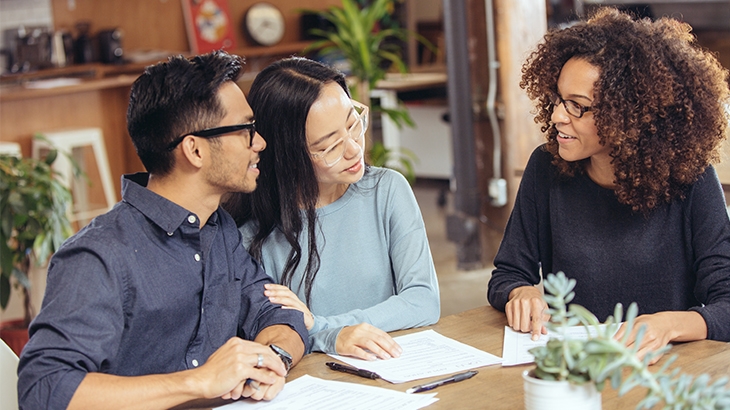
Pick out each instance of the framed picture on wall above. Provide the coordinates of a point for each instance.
(209, 26)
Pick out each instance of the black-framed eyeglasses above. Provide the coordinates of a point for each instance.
(571, 107)
(217, 132)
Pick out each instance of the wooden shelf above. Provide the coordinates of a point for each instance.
(17, 92)
(279, 49)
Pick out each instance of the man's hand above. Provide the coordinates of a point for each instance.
(367, 342)
(232, 371)
(526, 311)
(260, 391)
(663, 328)
(283, 296)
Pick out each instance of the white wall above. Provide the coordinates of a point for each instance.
(15, 306)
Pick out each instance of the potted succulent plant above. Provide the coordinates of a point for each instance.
(33, 224)
(565, 363)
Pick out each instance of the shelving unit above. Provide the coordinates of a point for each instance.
(279, 49)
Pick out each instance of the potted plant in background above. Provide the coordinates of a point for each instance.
(371, 50)
(33, 225)
(359, 38)
(380, 156)
(579, 369)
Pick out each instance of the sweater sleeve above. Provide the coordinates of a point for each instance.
(415, 301)
(710, 229)
(517, 262)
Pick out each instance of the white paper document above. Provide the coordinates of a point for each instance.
(425, 354)
(307, 393)
(516, 346)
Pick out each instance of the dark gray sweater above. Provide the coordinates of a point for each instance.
(676, 258)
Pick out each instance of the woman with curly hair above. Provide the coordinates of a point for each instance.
(622, 197)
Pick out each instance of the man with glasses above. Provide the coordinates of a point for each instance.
(156, 303)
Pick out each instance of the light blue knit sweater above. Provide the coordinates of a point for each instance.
(376, 266)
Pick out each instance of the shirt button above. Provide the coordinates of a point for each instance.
(191, 219)
(197, 258)
(195, 363)
(169, 234)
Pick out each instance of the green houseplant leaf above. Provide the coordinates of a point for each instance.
(34, 220)
(371, 51)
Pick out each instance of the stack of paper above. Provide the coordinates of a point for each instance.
(516, 346)
(425, 354)
(309, 392)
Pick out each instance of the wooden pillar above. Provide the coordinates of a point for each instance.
(519, 26)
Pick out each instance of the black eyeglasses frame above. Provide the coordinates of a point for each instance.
(556, 99)
(217, 132)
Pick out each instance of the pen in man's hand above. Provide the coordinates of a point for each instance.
(438, 383)
(352, 370)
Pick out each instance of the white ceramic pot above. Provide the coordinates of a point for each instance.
(559, 395)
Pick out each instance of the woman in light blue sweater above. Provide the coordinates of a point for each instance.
(348, 239)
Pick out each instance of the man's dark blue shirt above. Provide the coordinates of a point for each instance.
(143, 290)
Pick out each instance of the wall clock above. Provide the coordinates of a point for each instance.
(264, 24)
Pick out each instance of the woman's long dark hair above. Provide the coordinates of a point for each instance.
(281, 96)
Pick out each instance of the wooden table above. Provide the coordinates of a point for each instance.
(497, 387)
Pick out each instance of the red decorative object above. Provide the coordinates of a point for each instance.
(15, 334)
(208, 24)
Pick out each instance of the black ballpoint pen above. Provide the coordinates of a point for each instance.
(352, 370)
(438, 383)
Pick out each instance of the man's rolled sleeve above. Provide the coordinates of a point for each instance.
(263, 313)
(74, 333)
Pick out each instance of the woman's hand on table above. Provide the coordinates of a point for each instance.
(663, 328)
(283, 296)
(526, 311)
(367, 342)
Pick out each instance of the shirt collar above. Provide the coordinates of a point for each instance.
(161, 211)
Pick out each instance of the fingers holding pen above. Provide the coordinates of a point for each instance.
(226, 371)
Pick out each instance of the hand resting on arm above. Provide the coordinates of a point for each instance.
(363, 341)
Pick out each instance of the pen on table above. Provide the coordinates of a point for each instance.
(352, 370)
(438, 383)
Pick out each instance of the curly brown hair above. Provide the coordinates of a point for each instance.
(660, 102)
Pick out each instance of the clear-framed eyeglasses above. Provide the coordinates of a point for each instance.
(571, 107)
(334, 153)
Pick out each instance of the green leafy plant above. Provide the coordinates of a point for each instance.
(602, 358)
(380, 156)
(357, 35)
(402, 159)
(33, 220)
(371, 50)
